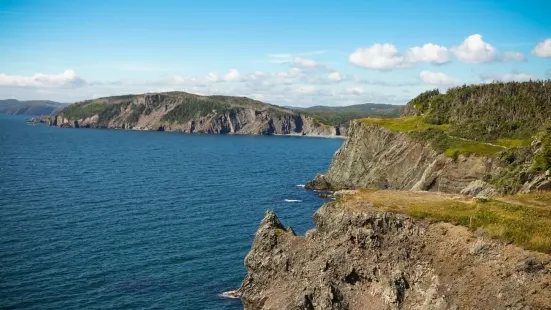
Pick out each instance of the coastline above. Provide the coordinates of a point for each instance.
(39, 120)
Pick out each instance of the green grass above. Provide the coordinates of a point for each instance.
(403, 124)
(521, 220)
(471, 147)
(510, 143)
(452, 146)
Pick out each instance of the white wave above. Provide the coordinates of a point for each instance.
(300, 185)
(292, 200)
(231, 294)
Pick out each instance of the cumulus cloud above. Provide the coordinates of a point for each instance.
(474, 50)
(334, 76)
(430, 53)
(212, 77)
(356, 91)
(508, 77)
(516, 56)
(378, 56)
(543, 49)
(232, 76)
(437, 78)
(68, 79)
(306, 63)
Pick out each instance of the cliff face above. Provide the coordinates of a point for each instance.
(379, 260)
(375, 157)
(191, 114)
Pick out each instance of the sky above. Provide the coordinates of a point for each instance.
(286, 52)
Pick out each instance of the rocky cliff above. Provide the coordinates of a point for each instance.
(370, 259)
(477, 140)
(183, 112)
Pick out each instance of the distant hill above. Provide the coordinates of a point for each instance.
(185, 112)
(31, 107)
(342, 115)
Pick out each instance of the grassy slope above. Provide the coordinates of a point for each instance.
(524, 220)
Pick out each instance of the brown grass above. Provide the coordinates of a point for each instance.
(524, 220)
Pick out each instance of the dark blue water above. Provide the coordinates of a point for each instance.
(141, 220)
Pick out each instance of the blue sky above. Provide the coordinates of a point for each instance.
(284, 52)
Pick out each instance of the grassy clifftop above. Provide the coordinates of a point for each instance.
(524, 220)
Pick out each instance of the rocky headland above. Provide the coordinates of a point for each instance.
(189, 113)
(360, 256)
(447, 207)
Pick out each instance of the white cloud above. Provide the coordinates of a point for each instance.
(437, 78)
(543, 49)
(378, 56)
(475, 50)
(430, 53)
(306, 63)
(516, 56)
(213, 77)
(67, 78)
(509, 77)
(356, 91)
(334, 76)
(232, 76)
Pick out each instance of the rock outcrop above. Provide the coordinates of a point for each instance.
(376, 157)
(378, 260)
(189, 113)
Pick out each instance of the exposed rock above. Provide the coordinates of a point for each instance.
(479, 188)
(374, 156)
(378, 260)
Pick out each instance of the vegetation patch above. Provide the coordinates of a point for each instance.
(524, 220)
(134, 116)
(488, 112)
(510, 143)
(403, 124)
(195, 107)
(542, 161)
(84, 109)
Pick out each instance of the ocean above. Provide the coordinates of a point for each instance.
(114, 219)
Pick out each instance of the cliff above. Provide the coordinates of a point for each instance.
(360, 256)
(183, 112)
(444, 144)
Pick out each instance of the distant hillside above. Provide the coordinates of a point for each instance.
(31, 107)
(343, 115)
(185, 112)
